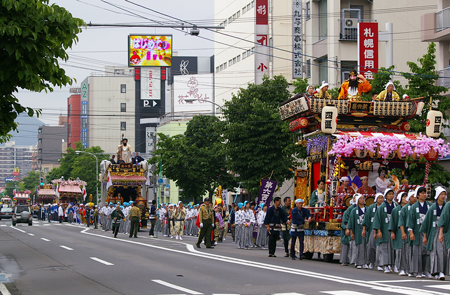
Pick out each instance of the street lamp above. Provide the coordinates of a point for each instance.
(96, 168)
(190, 100)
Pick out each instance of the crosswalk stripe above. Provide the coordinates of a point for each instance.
(344, 292)
(443, 287)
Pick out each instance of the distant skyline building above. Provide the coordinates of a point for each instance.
(12, 157)
(51, 144)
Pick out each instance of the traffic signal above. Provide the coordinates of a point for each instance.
(42, 180)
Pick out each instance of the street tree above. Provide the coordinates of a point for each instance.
(422, 80)
(82, 166)
(31, 181)
(196, 160)
(257, 141)
(34, 37)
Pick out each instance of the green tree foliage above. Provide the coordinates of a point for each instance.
(13, 185)
(31, 181)
(300, 85)
(34, 36)
(258, 142)
(73, 165)
(196, 161)
(422, 83)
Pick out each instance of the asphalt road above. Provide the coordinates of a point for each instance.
(70, 259)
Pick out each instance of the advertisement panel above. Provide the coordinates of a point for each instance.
(193, 87)
(149, 51)
(262, 40)
(368, 49)
(151, 83)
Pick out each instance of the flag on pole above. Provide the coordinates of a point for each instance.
(57, 190)
(109, 183)
(84, 193)
(148, 183)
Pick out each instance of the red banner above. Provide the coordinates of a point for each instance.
(368, 49)
(262, 12)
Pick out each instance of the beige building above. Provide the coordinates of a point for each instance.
(110, 108)
(329, 38)
(435, 27)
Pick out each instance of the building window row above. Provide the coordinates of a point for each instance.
(236, 59)
(238, 14)
(221, 67)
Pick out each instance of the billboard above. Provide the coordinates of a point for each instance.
(149, 51)
(368, 49)
(151, 83)
(193, 87)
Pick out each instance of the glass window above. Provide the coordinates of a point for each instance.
(123, 88)
(45, 170)
(244, 55)
(244, 9)
(234, 16)
(225, 23)
(308, 10)
(238, 14)
(224, 66)
(123, 126)
(40, 140)
(39, 130)
(323, 69)
(253, 3)
(230, 63)
(221, 67)
(249, 6)
(217, 69)
(308, 68)
(234, 60)
(230, 20)
(238, 58)
(249, 52)
(323, 23)
(123, 107)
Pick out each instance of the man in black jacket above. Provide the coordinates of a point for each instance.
(274, 217)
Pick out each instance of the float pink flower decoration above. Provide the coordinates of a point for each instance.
(386, 145)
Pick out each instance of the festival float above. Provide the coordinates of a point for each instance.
(46, 194)
(21, 198)
(126, 182)
(343, 134)
(69, 191)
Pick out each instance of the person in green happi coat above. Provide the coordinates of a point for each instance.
(420, 258)
(355, 225)
(396, 233)
(345, 236)
(381, 225)
(444, 232)
(406, 248)
(430, 230)
(116, 217)
(369, 233)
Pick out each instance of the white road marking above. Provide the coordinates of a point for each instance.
(18, 229)
(46, 224)
(101, 261)
(176, 287)
(31, 234)
(65, 247)
(271, 267)
(444, 287)
(344, 292)
(36, 225)
(3, 225)
(4, 290)
(44, 239)
(286, 293)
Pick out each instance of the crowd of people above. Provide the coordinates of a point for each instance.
(403, 234)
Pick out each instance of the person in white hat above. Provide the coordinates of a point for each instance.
(355, 224)
(420, 261)
(388, 94)
(406, 248)
(396, 233)
(300, 215)
(323, 91)
(430, 230)
(381, 225)
(369, 233)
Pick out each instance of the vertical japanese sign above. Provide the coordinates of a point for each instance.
(297, 42)
(151, 83)
(262, 40)
(368, 49)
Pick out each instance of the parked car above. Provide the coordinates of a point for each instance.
(6, 213)
(22, 213)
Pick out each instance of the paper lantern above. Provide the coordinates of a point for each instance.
(405, 126)
(434, 123)
(303, 122)
(420, 106)
(432, 155)
(329, 119)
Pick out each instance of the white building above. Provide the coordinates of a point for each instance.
(329, 44)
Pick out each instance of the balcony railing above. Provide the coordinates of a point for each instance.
(444, 78)
(443, 19)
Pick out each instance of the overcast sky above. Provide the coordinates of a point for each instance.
(98, 47)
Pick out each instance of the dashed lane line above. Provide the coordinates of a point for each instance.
(179, 288)
(44, 239)
(65, 247)
(101, 261)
